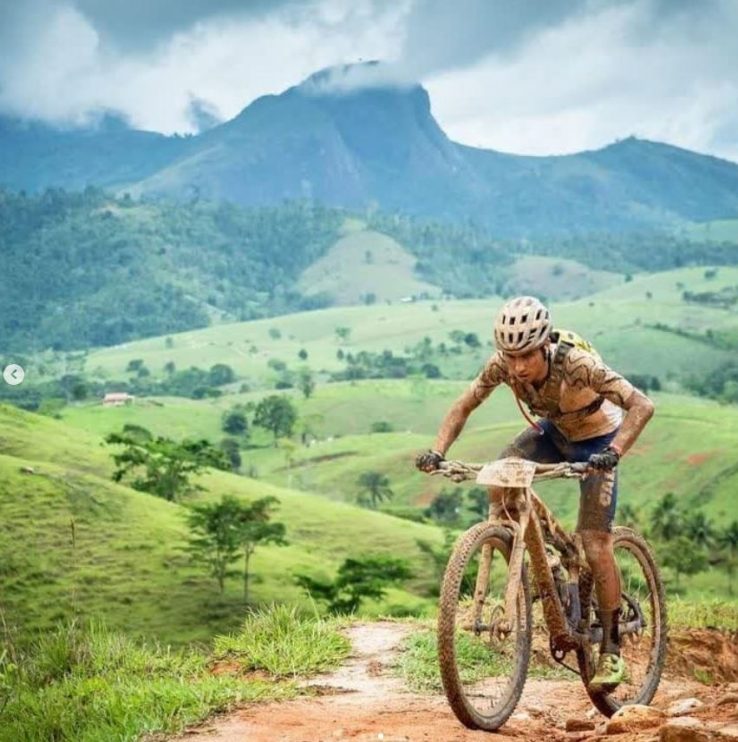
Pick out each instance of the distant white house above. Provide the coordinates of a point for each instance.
(117, 399)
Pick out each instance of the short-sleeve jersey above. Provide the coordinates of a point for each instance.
(584, 401)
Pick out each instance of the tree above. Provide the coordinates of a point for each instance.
(472, 340)
(235, 421)
(220, 374)
(683, 556)
(439, 556)
(276, 414)
(224, 531)
(727, 540)
(699, 528)
(666, 520)
(629, 516)
(214, 536)
(303, 354)
(230, 447)
(445, 506)
(161, 466)
(79, 391)
(170, 368)
(357, 579)
(254, 529)
(343, 333)
(137, 432)
(306, 382)
(374, 488)
(479, 499)
(381, 426)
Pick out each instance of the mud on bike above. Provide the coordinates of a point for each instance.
(485, 615)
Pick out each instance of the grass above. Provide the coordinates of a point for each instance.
(417, 663)
(280, 641)
(126, 561)
(702, 613)
(81, 682)
(365, 262)
(558, 279)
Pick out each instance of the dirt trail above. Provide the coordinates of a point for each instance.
(363, 701)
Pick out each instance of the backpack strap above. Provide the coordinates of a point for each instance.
(548, 399)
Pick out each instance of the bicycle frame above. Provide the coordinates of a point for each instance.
(533, 525)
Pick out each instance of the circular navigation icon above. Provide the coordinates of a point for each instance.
(14, 374)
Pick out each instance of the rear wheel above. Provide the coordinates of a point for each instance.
(643, 627)
(483, 663)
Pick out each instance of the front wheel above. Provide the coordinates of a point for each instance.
(643, 627)
(483, 662)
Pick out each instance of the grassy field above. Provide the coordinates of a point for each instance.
(126, 561)
(363, 263)
(686, 449)
(618, 320)
(558, 279)
(98, 548)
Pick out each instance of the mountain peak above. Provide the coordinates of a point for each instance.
(350, 78)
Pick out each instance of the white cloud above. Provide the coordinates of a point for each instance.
(536, 76)
(64, 72)
(592, 80)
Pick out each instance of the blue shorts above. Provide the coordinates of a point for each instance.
(598, 493)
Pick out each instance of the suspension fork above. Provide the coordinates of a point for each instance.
(522, 506)
(515, 564)
(553, 611)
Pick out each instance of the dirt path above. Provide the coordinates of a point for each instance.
(363, 701)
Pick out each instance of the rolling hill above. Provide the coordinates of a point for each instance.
(621, 321)
(75, 543)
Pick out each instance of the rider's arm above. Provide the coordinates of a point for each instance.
(583, 369)
(493, 374)
(638, 411)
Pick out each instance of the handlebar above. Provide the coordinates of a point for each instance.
(523, 471)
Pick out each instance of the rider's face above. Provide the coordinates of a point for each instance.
(530, 367)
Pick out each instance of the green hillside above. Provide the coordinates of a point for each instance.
(364, 267)
(557, 279)
(621, 321)
(686, 449)
(125, 562)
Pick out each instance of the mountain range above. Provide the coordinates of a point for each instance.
(376, 147)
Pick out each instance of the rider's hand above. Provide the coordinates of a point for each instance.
(605, 460)
(429, 461)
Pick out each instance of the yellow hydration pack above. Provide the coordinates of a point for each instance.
(572, 339)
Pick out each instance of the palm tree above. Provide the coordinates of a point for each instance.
(628, 516)
(666, 520)
(700, 529)
(728, 541)
(374, 488)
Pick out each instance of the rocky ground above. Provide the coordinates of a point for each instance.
(363, 701)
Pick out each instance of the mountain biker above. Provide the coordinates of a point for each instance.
(581, 403)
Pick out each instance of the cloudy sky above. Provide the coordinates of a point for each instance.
(529, 76)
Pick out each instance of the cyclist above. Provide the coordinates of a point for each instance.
(581, 403)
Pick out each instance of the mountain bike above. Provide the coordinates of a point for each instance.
(485, 617)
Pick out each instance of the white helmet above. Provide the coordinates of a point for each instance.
(522, 325)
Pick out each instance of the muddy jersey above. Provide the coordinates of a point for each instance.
(583, 399)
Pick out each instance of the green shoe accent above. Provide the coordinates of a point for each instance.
(610, 673)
